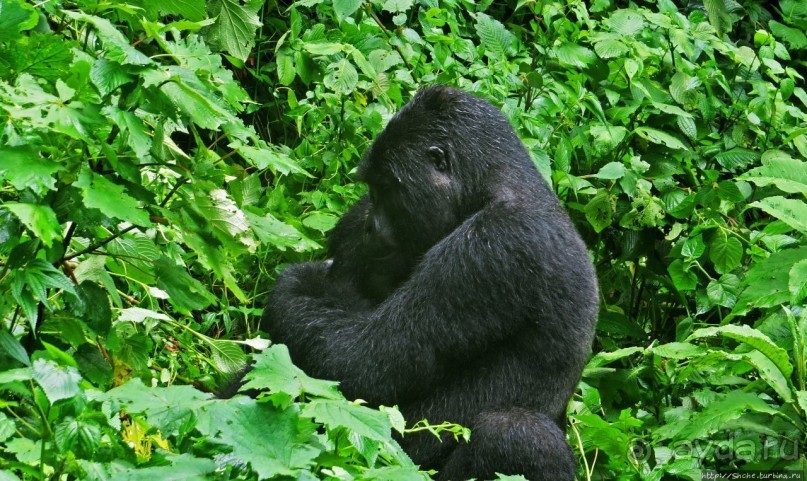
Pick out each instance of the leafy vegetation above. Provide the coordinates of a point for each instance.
(160, 160)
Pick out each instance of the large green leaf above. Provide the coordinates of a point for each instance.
(659, 137)
(39, 218)
(58, 382)
(786, 173)
(110, 198)
(340, 413)
(753, 338)
(236, 23)
(495, 37)
(16, 16)
(274, 371)
(791, 211)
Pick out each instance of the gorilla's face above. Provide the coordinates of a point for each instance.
(413, 186)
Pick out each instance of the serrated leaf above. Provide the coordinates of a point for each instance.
(610, 48)
(396, 6)
(768, 280)
(361, 420)
(729, 407)
(185, 293)
(201, 110)
(235, 27)
(797, 283)
(573, 55)
(320, 221)
(110, 198)
(611, 171)
(718, 15)
(600, 210)
(12, 347)
(753, 338)
(687, 126)
(15, 17)
(341, 77)
(274, 371)
(683, 88)
(494, 36)
(659, 137)
(118, 48)
(228, 357)
(23, 168)
(724, 291)
(40, 219)
(223, 214)
(725, 252)
(345, 8)
(57, 381)
(786, 173)
(193, 10)
(736, 158)
(108, 75)
(790, 211)
(132, 129)
(285, 68)
(77, 435)
(266, 158)
(625, 22)
(684, 280)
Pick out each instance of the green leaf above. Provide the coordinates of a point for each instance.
(235, 27)
(275, 160)
(771, 374)
(573, 55)
(201, 110)
(725, 252)
(684, 87)
(753, 338)
(786, 173)
(625, 22)
(361, 420)
(320, 221)
(737, 158)
(611, 171)
(274, 371)
(16, 16)
(718, 15)
(341, 77)
(345, 8)
(495, 38)
(397, 5)
(600, 210)
(768, 280)
(40, 219)
(77, 435)
(729, 407)
(285, 68)
(183, 467)
(790, 211)
(193, 10)
(610, 48)
(108, 76)
(117, 45)
(110, 198)
(57, 381)
(687, 126)
(132, 129)
(185, 293)
(228, 357)
(138, 314)
(23, 168)
(275, 443)
(12, 347)
(795, 38)
(165, 408)
(659, 137)
(724, 291)
(684, 280)
(679, 350)
(797, 283)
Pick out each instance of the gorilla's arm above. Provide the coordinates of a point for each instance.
(447, 311)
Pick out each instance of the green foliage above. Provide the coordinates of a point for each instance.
(159, 160)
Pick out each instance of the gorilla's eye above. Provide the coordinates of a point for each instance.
(438, 158)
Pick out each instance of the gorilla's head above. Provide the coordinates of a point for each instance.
(443, 157)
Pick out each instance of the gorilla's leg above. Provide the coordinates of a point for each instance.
(515, 441)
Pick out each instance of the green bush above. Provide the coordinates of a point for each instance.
(160, 160)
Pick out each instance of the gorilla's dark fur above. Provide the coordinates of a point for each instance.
(459, 290)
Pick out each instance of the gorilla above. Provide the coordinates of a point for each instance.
(457, 289)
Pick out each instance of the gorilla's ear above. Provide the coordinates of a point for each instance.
(439, 158)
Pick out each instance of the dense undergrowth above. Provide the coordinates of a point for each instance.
(161, 159)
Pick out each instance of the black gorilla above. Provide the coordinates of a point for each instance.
(458, 290)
